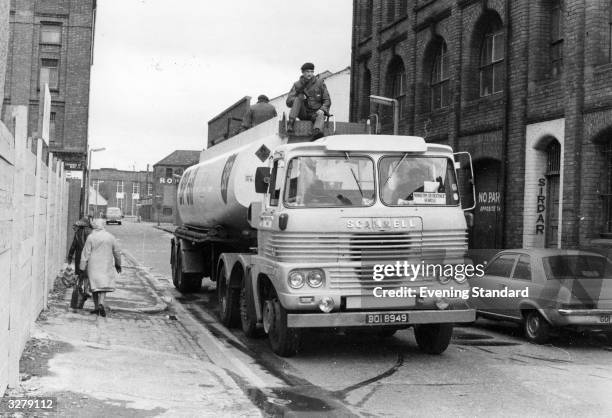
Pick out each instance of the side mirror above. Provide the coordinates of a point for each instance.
(262, 179)
(469, 219)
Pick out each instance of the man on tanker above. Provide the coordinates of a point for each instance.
(309, 100)
(258, 113)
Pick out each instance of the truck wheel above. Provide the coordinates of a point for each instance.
(433, 338)
(184, 282)
(248, 322)
(229, 308)
(537, 329)
(284, 341)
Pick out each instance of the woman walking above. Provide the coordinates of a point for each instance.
(101, 259)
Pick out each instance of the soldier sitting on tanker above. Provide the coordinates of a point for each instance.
(308, 100)
(258, 113)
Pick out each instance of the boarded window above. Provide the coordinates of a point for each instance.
(50, 34)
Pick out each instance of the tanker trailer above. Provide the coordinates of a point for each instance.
(294, 234)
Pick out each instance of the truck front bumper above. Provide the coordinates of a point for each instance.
(358, 319)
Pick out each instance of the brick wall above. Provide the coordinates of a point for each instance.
(110, 178)
(70, 100)
(495, 126)
(228, 122)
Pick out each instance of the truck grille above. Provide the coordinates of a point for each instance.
(366, 248)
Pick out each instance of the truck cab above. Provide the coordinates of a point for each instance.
(332, 216)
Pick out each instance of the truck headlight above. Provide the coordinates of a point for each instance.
(315, 278)
(296, 279)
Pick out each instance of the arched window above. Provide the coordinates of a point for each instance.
(556, 38)
(492, 72)
(396, 81)
(440, 92)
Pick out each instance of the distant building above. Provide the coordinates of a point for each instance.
(227, 123)
(131, 191)
(166, 176)
(51, 42)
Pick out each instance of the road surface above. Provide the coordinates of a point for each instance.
(488, 369)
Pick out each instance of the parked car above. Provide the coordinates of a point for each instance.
(565, 288)
(113, 215)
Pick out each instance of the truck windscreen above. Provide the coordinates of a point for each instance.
(329, 182)
(407, 180)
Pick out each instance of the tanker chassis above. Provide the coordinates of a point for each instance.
(292, 235)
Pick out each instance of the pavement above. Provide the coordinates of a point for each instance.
(139, 361)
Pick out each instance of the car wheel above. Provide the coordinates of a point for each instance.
(537, 329)
(433, 338)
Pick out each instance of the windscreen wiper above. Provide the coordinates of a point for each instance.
(348, 159)
(395, 168)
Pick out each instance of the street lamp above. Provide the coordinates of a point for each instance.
(387, 101)
(88, 176)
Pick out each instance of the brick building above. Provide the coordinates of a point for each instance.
(132, 191)
(166, 176)
(524, 86)
(51, 41)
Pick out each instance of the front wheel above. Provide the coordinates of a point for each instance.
(229, 309)
(537, 329)
(433, 338)
(247, 320)
(284, 341)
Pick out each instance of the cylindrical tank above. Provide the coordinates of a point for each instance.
(219, 190)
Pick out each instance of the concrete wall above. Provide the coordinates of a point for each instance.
(33, 210)
(4, 39)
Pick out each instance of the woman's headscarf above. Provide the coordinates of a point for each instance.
(98, 224)
(83, 222)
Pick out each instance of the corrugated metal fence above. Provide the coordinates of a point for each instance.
(33, 216)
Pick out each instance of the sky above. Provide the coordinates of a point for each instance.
(163, 68)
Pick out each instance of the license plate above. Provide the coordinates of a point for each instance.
(604, 319)
(387, 318)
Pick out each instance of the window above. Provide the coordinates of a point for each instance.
(135, 188)
(278, 174)
(501, 266)
(492, 63)
(120, 186)
(167, 212)
(390, 11)
(610, 31)
(52, 117)
(168, 172)
(556, 38)
(607, 195)
(50, 34)
(396, 79)
(49, 73)
(440, 94)
(149, 189)
(522, 271)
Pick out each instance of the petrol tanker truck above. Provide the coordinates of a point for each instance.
(325, 234)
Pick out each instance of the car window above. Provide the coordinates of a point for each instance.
(577, 266)
(501, 266)
(522, 271)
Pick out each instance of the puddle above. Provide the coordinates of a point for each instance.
(281, 401)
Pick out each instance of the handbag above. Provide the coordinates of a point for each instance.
(80, 292)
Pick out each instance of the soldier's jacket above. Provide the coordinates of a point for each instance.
(317, 96)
